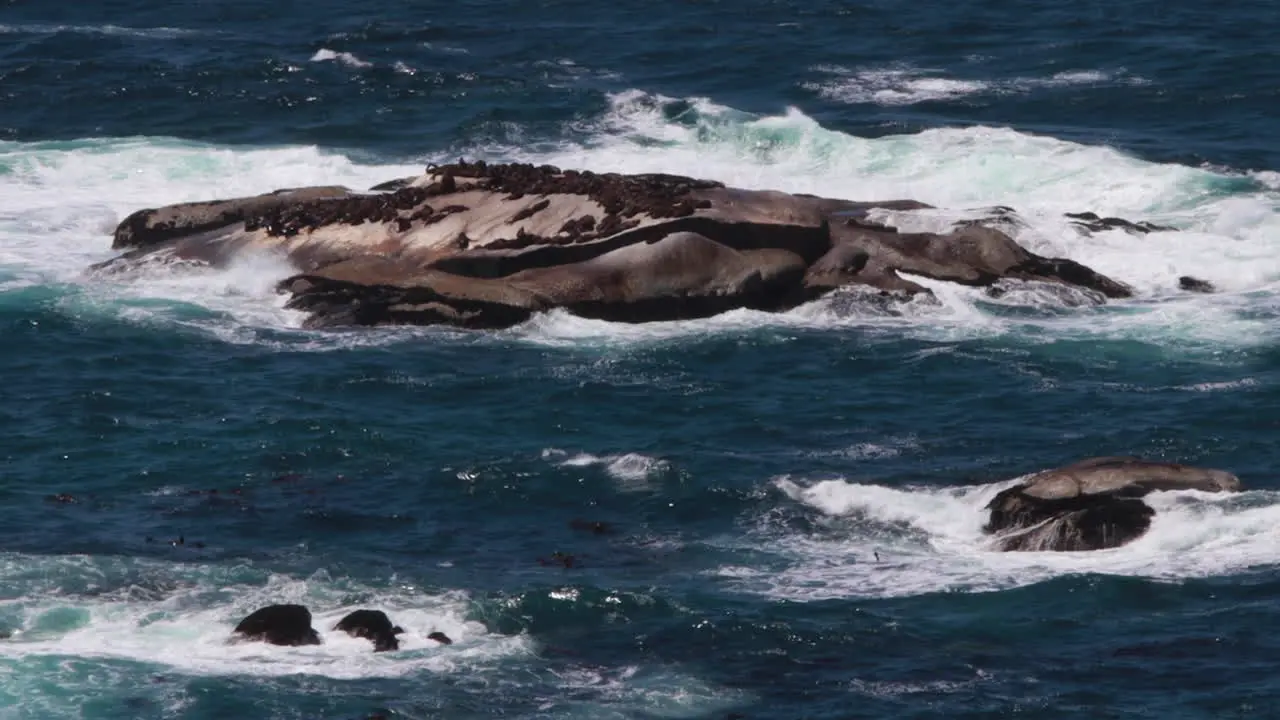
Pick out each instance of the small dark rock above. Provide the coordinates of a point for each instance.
(1192, 284)
(372, 625)
(288, 625)
(440, 638)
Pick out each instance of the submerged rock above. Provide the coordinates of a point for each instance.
(372, 625)
(486, 246)
(279, 625)
(1092, 504)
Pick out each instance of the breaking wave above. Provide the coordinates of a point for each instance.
(878, 541)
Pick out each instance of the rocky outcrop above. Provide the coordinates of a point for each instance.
(278, 625)
(1092, 504)
(486, 246)
(373, 625)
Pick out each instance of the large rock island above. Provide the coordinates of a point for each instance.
(486, 246)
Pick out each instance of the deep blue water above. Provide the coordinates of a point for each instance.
(795, 501)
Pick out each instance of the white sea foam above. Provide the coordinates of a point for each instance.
(445, 49)
(343, 58)
(891, 86)
(71, 616)
(908, 85)
(161, 33)
(1230, 239)
(931, 540)
(876, 451)
(592, 692)
(631, 470)
(1268, 178)
(58, 201)
(187, 630)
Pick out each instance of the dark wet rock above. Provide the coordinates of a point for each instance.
(1092, 504)
(1196, 285)
(373, 625)
(486, 246)
(1093, 223)
(279, 625)
(440, 638)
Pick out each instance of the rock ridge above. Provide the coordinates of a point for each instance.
(481, 245)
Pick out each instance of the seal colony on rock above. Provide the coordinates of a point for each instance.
(487, 245)
(1092, 504)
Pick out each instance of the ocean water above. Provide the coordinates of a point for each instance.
(795, 500)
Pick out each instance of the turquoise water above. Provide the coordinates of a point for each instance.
(794, 501)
